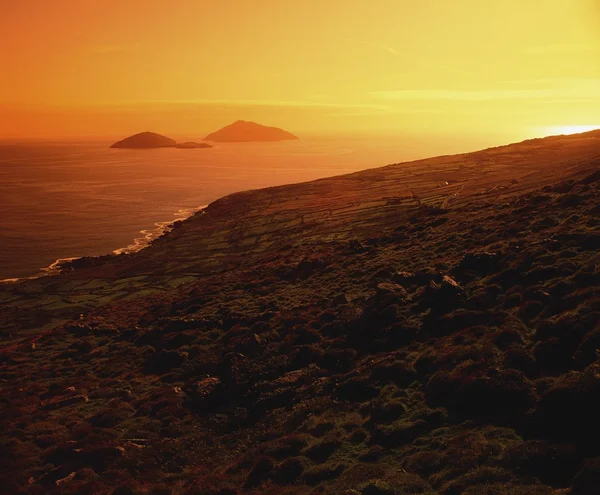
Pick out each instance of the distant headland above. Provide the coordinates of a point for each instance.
(243, 131)
(147, 140)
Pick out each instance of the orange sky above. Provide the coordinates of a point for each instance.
(187, 67)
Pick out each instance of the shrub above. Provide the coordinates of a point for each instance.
(262, 471)
(289, 471)
(587, 480)
(321, 451)
(317, 474)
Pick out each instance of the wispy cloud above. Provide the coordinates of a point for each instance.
(559, 48)
(388, 111)
(260, 103)
(410, 58)
(551, 82)
(586, 91)
(385, 48)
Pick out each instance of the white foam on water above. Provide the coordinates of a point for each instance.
(148, 235)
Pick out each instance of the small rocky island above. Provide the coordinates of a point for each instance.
(243, 131)
(192, 145)
(148, 140)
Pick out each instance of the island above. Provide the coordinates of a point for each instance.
(243, 131)
(148, 140)
(190, 145)
(145, 140)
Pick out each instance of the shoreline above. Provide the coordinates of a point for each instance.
(139, 243)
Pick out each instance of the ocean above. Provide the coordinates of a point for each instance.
(62, 200)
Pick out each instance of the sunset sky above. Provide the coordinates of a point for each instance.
(187, 67)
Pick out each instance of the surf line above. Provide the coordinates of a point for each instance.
(148, 235)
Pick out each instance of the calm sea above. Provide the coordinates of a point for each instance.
(63, 200)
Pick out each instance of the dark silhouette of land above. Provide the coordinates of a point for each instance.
(148, 140)
(145, 140)
(426, 327)
(242, 131)
(192, 145)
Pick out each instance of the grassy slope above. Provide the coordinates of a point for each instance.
(304, 339)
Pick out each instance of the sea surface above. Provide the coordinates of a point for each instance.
(62, 200)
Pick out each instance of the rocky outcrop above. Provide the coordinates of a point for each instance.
(190, 145)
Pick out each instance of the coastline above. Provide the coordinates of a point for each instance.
(139, 243)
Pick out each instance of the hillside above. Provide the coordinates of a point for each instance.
(425, 327)
(243, 131)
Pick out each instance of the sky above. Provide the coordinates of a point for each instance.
(515, 68)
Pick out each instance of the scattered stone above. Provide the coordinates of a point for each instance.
(69, 401)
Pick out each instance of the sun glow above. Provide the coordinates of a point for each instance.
(451, 70)
(572, 129)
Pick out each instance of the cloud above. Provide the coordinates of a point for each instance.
(261, 103)
(389, 111)
(586, 91)
(388, 49)
(559, 48)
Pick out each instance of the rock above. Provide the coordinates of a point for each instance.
(204, 388)
(448, 281)
(442, 297)
(242, 131)
(78, 329)
(206, 395)
(69, 401)
(385, 288)
(339, 300)
(403, 277)
(192, 145)
(145, 140)
(406, 279)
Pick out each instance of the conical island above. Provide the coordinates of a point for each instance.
(243, 131)
(145, 140)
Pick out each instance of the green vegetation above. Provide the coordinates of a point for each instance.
(426, 351)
